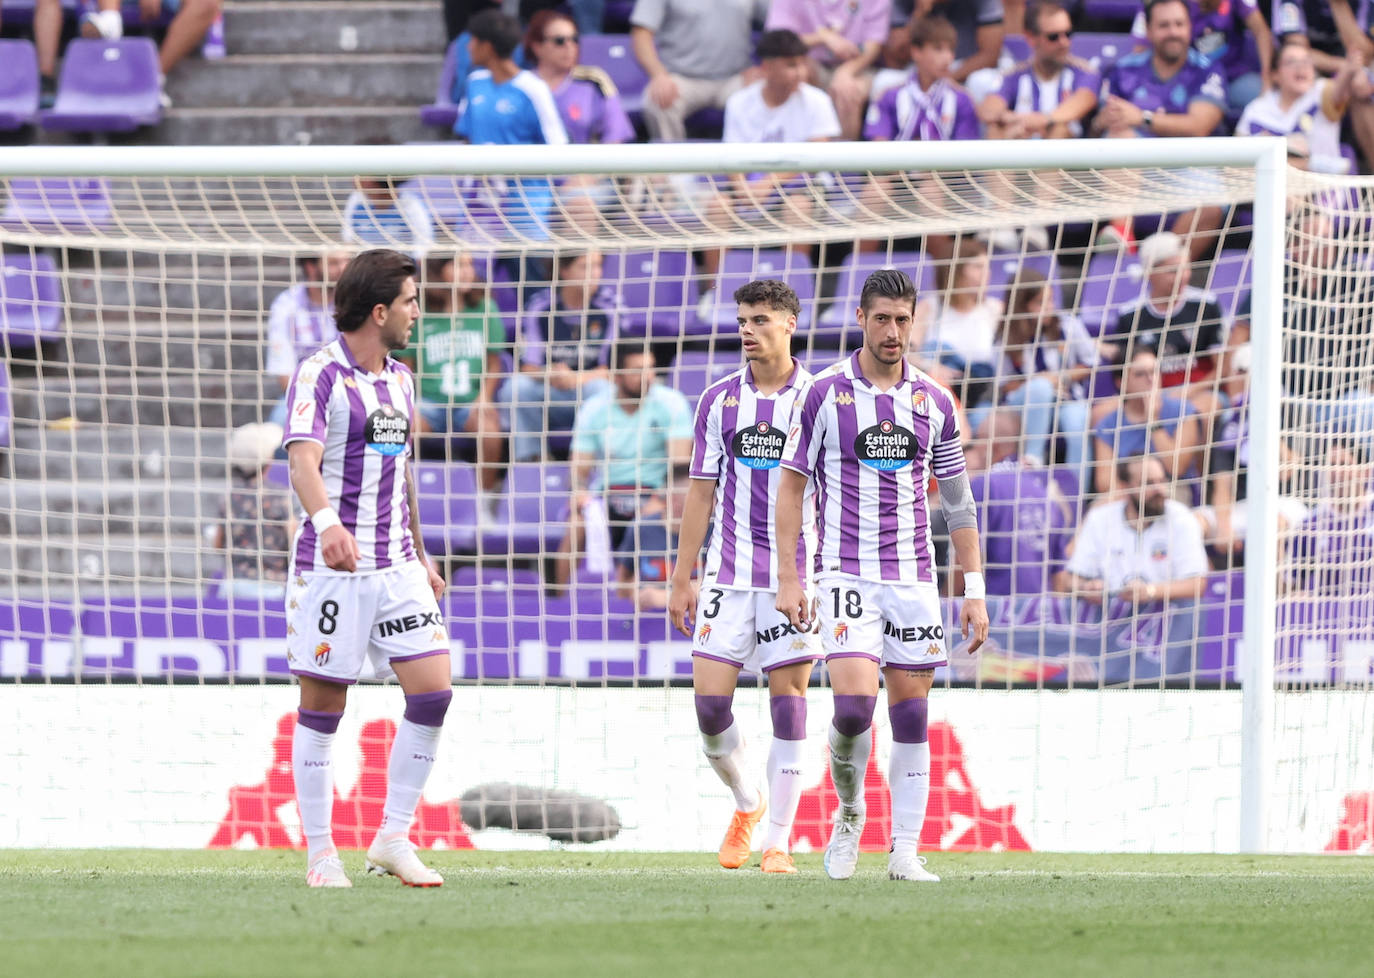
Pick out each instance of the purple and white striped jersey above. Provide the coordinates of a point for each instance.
(871, 454)
(363, 421)
(738, 442)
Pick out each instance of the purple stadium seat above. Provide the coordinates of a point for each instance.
(106, 86)
(1112, 280)
(1004, 266)
(457, 202)
(1229, 279)
(18, 84)
(62, 204)
(30, 300)
(615, 55)
(442, 111)
(535, 510)
(6, 413)
(498, 578)
(696, 370)
(448, 506)
(745, 265)
(656, 291)
(837, 319)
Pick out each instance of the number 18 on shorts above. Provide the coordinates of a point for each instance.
(892, 624)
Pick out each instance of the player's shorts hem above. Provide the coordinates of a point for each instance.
(338, 680)
(416, 655)
(918, 666)
(853, 655)
(717, 658)
(791, 662)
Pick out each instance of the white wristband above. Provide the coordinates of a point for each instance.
(975, 586)
(324, 519)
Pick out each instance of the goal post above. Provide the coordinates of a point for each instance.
(216, 209)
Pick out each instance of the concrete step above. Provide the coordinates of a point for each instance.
(179, 291)
(316, 80)
(62, 564)
(152, 402)
(147, 507)
(182, 455)
(333, 27)
(210, 345)
(291, 126)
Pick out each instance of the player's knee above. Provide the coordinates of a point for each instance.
(789, 717)
(713, 714)
(853, 714)
(909, 720)
(428, 709)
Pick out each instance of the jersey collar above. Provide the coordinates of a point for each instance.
(859, 374)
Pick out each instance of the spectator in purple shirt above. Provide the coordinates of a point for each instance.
(1026, 523)
(1167, 90)
(586, 97)
(1333, 552)
(564, 351)
(1221, 29)
(1052, 94)
(845, 39)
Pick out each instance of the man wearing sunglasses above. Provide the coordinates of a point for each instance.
(1049, 96)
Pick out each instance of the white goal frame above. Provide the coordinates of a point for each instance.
(1265, 156)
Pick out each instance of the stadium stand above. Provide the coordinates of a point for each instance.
(30, 300)
(18, 84)
(106, 86)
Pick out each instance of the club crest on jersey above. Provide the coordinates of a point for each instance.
(322, 653)
(885, 446)
(844, 398)
(919, 404)
(758, 446)
(704, 634)
(386, 431)
(842, 633)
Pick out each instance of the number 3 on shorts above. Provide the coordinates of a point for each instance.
(853, 602)
(713, 608)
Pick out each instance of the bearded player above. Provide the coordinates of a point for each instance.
(741, 424)
(868, 434)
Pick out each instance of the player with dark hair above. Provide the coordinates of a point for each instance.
(869, 432)
(360, 584)
(741, 424)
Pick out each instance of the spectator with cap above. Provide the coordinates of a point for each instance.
(845, 41)
(301, 320)
(696, 54)
(1051, 95)
(255, 519)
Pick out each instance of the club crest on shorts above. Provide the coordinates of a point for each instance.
(322, 654)
(842, 633)
(704, 634)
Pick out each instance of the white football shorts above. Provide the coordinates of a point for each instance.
(743, 628)
(335, 621)
(892, 624)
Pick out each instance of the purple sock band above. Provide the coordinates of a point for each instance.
(909, 721)
(428, 709)
(789, 717)
(325, 723)
(713, 714)
(853, 714)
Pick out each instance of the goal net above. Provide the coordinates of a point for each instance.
(153, 303)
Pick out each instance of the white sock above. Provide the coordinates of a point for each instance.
(312, 767)
(784, 791)
(848, 762)
(908, 774)
(412, 758)
(725, 751)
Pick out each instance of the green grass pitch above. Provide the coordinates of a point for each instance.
(160, 913)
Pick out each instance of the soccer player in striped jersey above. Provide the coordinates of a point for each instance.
(868, 433)
(360, 584)
(741, 425)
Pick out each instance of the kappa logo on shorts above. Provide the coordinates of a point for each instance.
(799, 645)
(934, 649)
(322, 654)
(704, 634)
(841, 633)
(438, 636)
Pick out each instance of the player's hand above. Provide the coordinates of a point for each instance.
(682, 606)
(973, 617)
(340, 549)
(436, 581)
(663, 90)
(1091, 591)
(792, 602)
(839, 45)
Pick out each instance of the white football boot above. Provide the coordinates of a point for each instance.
(327, 870)
(909, 866)
(395, 856)
(842, 852)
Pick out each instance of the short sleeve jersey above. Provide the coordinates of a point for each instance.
(363, 422)
(296, 328)
(944, 111)
(871, 454)
(1025, 91)
(517, 112)
(808, 114)
(633, 447)
(737, 442)
(451, 352)
(1187, 339)
(1219, 35)
(1133, 78)
(589, 105)
(1306, 117)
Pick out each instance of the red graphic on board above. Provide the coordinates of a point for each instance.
(1356, 831)
(955, 816)
(253, 809)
